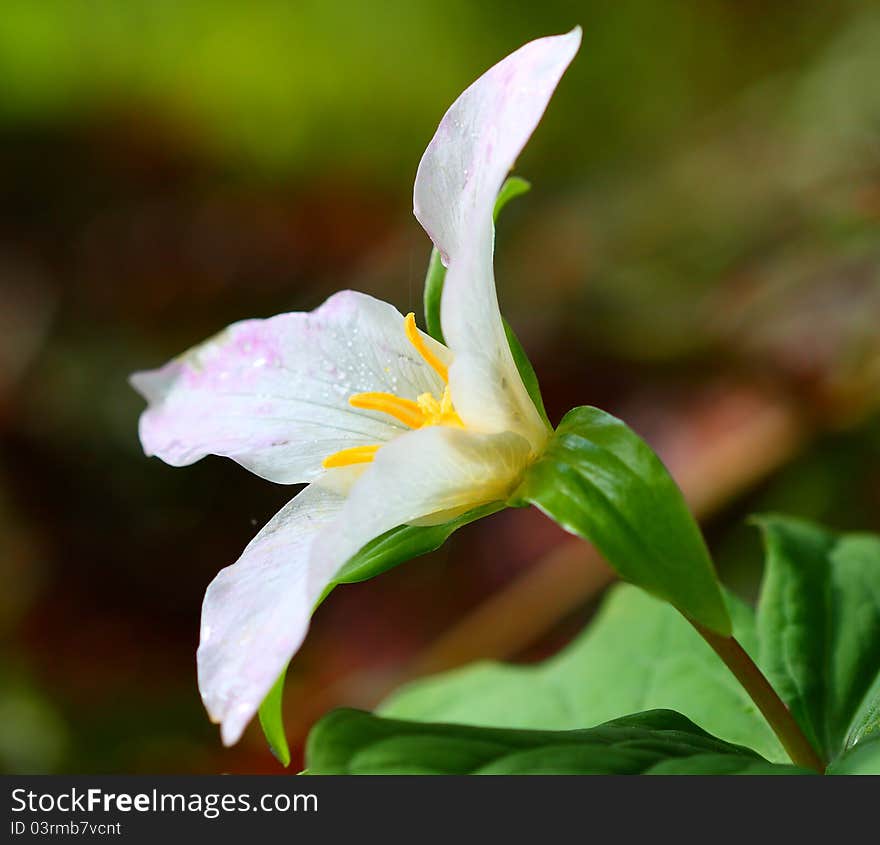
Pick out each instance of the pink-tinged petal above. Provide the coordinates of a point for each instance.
(435, 470)
(481, 136)
(256, 612)
(273, 394)
(457, 182)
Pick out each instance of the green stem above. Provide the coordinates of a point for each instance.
(765, 697)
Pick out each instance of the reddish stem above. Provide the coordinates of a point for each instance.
(765, 697)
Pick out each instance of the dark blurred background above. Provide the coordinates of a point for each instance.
(700, 253)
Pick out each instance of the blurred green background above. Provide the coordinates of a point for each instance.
(700, 252)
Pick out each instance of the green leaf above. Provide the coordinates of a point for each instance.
(272, 721)
(866, 722)
(861, 759)
(513, 187)
(819, 623)
(638, 653)
(602, 482)
(402, 544)
(434, 279)
(526, 371)
(724, 764)
(353, 742)
(388, 550)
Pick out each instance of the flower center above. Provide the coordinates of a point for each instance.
(424, 411)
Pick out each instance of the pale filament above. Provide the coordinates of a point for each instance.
(424, 411)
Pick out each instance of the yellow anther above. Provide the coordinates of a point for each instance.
(446, 404)
(347, 457)
(439, 413)
(405, 410)
(418, 342)
(429, 406)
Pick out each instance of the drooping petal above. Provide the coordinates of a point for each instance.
(457, 182)
(256, 612)
(439, 470)
(273, 394)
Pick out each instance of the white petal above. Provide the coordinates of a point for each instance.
(458, 179)
(429, 471)
(256, 612)
(273, 394)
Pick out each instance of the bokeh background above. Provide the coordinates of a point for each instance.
(700, 253)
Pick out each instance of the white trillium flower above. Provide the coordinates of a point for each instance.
(386, 426)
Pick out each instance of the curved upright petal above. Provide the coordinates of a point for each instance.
(457, 182)
(256, 612)
(273, 394)
(438, 470)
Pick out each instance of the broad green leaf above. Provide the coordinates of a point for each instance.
(353, 742)
(724, 764)
(639, 653)
(602, 482)
(388, 550)
(819, 624)
(866, 723)
(861, 759)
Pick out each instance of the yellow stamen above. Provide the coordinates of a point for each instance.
(405, 410)
(429, 406)
(439, 413)
(426, 410)
(446, 405)
(418, 341)
(347, 457)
